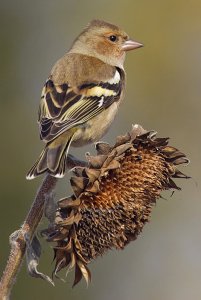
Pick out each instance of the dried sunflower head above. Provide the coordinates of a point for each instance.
(113, 198)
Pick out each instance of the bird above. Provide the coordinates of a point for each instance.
(82, 95)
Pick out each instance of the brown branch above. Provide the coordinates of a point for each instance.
(17, 238)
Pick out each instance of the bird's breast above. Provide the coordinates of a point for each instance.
(96, 128)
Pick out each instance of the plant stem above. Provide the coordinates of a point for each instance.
(17, 238)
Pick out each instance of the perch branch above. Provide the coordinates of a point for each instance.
(17, 238)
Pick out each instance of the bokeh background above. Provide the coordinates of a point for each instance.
(163, 93)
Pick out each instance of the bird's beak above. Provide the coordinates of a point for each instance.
(131, 45)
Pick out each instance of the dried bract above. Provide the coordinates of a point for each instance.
(113, 198)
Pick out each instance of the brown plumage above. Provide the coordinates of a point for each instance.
(82, 94)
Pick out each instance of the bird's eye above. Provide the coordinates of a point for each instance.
(113, 38)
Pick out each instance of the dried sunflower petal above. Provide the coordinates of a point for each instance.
(113, 198)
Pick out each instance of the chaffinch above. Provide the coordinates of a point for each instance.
(82, 94)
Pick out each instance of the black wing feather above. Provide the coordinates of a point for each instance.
(61, 108)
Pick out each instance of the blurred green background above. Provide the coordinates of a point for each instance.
(163, 93)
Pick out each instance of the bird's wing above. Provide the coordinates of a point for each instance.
(62, 108)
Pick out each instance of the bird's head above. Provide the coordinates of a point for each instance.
(105, 41)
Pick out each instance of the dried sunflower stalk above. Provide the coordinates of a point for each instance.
(113, 198)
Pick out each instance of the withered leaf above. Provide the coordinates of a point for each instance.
(33, 253)
(96, 161)
(78, 184)
(69, 202)
(102, 148)
(84, 271)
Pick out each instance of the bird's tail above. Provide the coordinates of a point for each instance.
(52, 159)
